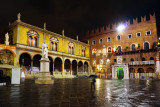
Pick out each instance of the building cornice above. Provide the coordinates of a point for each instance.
(15, 23)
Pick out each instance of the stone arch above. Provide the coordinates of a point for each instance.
(58, 64)
(25, 61)
(86, 65)
(36, 62)
(132, 73)
(67, 64)
(50, 65)
(141, 73)
(80, 66)
(74, 67)
(6, 57)
(151, 58)
(9, 50)
(150, 73)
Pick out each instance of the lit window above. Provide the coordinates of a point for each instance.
(138, 34)
(109, 49)
(148, 33)
(71, 48)
(118, 37)
(108, 39)
(130, 36)
(100, 40)
(94, 62)
(54, 44)
(93, 42)
(101, 61)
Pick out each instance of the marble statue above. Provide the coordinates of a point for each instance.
(7, 39)
(44, 50)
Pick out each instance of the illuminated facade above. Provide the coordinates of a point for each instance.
(131, 53)
(68, 57)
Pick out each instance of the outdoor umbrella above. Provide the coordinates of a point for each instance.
(95, 76)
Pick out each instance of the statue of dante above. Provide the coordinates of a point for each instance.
(44, 50)
(7, 38)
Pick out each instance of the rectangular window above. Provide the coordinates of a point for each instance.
(129, 36)
(115, 60)
(118, 37)
(148, 33)
(124, 59)
(93, 42)
(100, 40)
(138, 34)
(108, 39)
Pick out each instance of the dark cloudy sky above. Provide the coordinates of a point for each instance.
(74, 16)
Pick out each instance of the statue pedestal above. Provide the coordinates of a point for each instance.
(44, 74)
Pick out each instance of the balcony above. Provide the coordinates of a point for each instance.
(124, 52)
(152, 62)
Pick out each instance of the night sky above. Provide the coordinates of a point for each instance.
(74, 16)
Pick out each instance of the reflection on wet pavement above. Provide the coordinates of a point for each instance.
(77, 93)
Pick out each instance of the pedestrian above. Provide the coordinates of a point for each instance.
(93, 80)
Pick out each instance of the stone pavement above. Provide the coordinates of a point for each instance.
(78, 93)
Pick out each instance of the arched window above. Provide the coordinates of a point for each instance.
(109, 49)
(33, 38)
(54, 44)
(133, 47)
(146, 46)
(71, 48)
(143, 59)
(30, 41)
(132, 60)
(93, 51)
(119, 49)
(101, 61)
(151, 58)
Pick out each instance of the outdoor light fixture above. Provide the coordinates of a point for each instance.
(120, 27)
(108, 60)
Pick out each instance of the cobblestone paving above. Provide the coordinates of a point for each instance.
(78, 93)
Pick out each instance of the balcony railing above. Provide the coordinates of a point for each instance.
(124, 52)
(142, 62)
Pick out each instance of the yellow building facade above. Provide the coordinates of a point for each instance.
(68, 57)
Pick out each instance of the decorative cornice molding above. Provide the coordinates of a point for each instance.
(15, 23)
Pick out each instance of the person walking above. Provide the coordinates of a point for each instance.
(93, 80)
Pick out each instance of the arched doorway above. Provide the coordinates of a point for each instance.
(150, 73)
(141, 74)
(67, 65)
(74, 67)
(146, 46)
(120, 73)
(132, 73)
(6, 57)
(80, 66)
(133, 47)
(50, 65)
(25, 62)
(58, 65)
(36, 63)
(85, 66)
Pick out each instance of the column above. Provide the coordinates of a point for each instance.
(83, 67)
(62, 68)
(71, 68)
(136, 75)
(31, 65)
(77, 67)
(145, 75)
